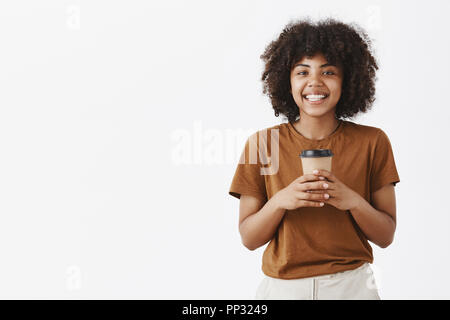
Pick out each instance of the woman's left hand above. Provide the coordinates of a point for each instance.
(341, 196)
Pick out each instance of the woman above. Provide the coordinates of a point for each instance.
(318, 225)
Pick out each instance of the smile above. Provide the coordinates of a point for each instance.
(316, 99)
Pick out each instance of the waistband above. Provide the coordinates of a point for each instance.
(341, 274)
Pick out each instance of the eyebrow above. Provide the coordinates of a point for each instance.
(307, 65)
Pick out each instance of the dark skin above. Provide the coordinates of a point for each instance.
(259, 220)
(310, 75)
(314, 74)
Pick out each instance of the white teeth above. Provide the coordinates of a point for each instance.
(315, 97)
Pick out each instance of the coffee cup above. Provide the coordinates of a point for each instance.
(316, 159)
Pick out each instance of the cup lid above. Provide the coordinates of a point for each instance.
(314, 153)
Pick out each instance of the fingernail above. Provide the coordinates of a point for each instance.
(325, 185)
(326, 196)
(316, 171)
(322, 178)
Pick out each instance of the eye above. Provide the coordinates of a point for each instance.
(329, 72)
(301, 72)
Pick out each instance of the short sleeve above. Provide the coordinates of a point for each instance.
(248, 178)
(383, 170)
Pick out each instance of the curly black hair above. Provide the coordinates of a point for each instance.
(340, 43)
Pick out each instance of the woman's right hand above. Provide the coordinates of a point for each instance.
(297, 195)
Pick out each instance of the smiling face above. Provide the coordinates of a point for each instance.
(316, 85)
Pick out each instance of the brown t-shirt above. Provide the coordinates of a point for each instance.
(314, 241)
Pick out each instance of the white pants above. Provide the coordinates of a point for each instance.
(357, 284)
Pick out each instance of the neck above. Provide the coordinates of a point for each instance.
(314, 128)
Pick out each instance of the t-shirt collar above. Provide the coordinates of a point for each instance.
(306, 140)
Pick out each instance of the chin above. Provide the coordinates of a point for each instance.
(316, 113)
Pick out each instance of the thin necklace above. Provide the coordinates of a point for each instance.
(339, 124)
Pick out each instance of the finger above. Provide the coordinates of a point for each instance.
(305, 203)
(316, 191)
(322, 185)
(316, 185)
(313, 196)
(327, 174)
(307, 177)
(331, 193)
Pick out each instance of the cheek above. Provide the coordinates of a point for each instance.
(296, 87)
(337, 93)
(336, 89)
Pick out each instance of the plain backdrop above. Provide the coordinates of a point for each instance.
(121, 125)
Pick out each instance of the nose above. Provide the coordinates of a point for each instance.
(314, 81)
